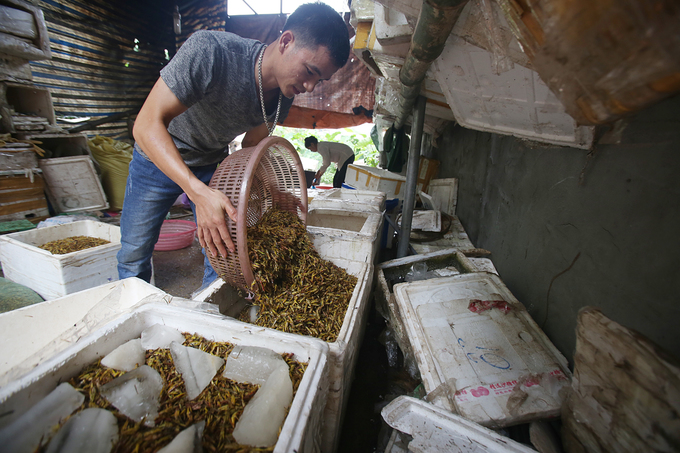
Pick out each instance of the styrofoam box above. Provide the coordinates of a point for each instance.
(31, 334)
(301, 429)
(376, 179)
(347, 235)
(471, 363)
(441, 263)
(455, 238)
(54, 276)
(435, 430)
(391, 26)
(73, 184)
(350, 200)
(343, 352)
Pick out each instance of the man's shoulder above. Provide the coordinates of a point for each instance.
(223, 39)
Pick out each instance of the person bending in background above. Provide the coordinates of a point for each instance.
(218, 86)
(338, 153)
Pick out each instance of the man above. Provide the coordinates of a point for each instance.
(338, 153)
(217, 87)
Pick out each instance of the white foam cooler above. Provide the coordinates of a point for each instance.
(377, 179)
(32, 334)
(347, 235)
(350, 200)
(301, 430)
(493, 368)
(52, 276)
(435, 430)
(343, 352)
(436, 264)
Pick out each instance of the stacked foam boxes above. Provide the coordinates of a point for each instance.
(47, 344)
(346, 224)
(483, 361)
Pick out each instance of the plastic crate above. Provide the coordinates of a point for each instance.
(301, 429)
(472, 362)
(343, 352)
(54, 276)
(350, 235)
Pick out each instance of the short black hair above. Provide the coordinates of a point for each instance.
(317, 24)
(309, 140)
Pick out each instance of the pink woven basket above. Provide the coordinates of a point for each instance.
(255, 180)
(175, 234)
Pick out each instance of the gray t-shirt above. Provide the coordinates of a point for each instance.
(213, 74)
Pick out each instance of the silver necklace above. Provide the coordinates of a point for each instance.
(264, 111)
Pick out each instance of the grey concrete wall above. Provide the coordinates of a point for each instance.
(537, 208)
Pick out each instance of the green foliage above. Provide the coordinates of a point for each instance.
(364, 149)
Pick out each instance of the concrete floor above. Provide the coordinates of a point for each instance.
(179, 272)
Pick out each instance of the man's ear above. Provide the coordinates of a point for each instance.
(286, 40)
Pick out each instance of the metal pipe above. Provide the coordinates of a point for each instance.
(411, 176)
(435, 22)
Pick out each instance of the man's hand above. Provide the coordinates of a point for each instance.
(212, 231)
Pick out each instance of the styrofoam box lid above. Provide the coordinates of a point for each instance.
(436, 430)
(18, 396)
(28, 334)
(444, 193)
(472, 363)
(483, 265)
(516, 102)
(72, 184)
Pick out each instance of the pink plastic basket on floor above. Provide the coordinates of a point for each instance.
(175, 234)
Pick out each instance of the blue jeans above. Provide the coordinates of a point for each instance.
(149, 195)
